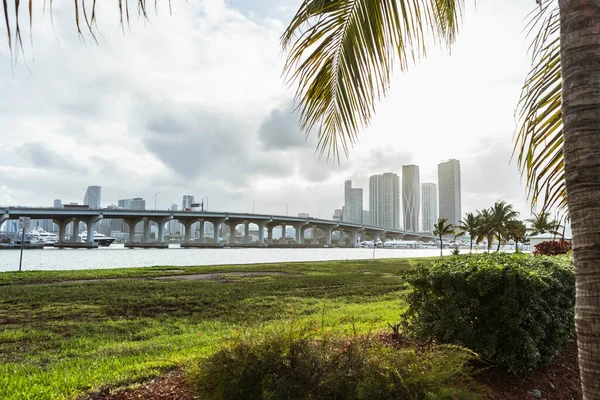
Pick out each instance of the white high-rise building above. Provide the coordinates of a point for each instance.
(353, 203)
(92, 196)
(57, 203)
(187, 202)
(174, 226)
(411, 197)
(450, 194)
(429, 206)
(384, 200)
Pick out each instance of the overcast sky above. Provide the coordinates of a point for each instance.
(194, 103)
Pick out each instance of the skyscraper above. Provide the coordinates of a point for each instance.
(174, 225)
(353, 203)
(411, 197)
(137, 203)
(187, 202)
(337, 215)
(449, 183)
(429, 206)
(366, 217)
(92, 196)
(384, 200)
(57, 203)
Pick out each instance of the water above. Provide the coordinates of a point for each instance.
(117, 256)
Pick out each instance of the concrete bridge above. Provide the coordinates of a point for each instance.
(65, 216)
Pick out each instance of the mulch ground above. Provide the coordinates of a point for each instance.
(558, 381)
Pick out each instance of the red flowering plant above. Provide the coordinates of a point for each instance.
(552, 248)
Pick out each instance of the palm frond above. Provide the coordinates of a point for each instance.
(539, 140)
(341, 54)
(83, 13)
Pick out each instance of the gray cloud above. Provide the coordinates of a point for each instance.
(281, 130)
(42, 156)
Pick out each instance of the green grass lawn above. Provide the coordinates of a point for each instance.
(61, 339)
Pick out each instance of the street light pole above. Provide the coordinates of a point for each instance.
(155, 194)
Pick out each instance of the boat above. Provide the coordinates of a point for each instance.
(99, 238)
(40, 236)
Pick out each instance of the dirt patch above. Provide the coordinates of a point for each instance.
(218, 276)
(558, 381)
(169, 387)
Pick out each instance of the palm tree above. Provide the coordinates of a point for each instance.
(469, 224)
(484, 228)
(500, 215)
(442, 228)
(517, 231)
(540, 223)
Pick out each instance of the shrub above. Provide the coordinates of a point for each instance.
(515, 310)
(552, 248)
(294, 364)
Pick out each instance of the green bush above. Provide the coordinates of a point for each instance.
(515, 310)
(295, 364)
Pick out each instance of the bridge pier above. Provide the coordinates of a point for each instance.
(328, 229)
(146, 231)
(261, 231)
(232, 224)
(201, 231)
(246, 232)
(299, 232)
(75, 231)
(161, 228)
(217, 229)
(3, 218)
(62, 228)
(283, 233)
(90, 227)
(353, 235)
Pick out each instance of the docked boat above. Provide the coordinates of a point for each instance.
(40, 236)
(99, 238)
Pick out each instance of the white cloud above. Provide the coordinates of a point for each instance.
(192, 103)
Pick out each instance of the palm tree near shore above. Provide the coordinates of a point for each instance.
(443, 228)
(540, 223)
(484, 228)
(517, 231)
(501, 214)
(470, 224)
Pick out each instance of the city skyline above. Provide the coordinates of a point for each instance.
(195, 129)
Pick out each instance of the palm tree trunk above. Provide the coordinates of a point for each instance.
(441, 246)
(498, 248)
(471, 246)
(580, 64)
